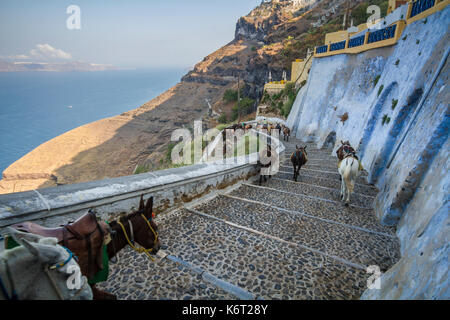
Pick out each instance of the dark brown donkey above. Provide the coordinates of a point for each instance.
(286, 133)
(344, 150)
(299, 158)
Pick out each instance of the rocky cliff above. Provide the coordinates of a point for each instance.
(396, 99)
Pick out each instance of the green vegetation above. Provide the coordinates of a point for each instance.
(380, 90)
(386, 119)
(281, 102)
(223, 118)
(230, 96)
(394, 103)
(397, 62)
(141, 169)
(244, 107)
(375, 81)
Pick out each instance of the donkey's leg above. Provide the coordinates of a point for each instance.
(342, 189)
(347, 191)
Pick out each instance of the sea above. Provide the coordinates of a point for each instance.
(38, 106)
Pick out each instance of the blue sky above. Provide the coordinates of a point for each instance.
(125, 33)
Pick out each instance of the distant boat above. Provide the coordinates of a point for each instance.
(70, 107)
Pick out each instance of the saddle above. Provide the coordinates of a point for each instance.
(84, 237)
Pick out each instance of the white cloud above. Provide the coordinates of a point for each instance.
(41, 52)
(47, 52)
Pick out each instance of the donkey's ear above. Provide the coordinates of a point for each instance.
(30, 247)
(342, 142)
(149, 208)
(141, 203)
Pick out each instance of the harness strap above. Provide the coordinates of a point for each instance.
(52, 281)
(139, 250)
(131, 231)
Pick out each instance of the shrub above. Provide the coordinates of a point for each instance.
(386, 119)
(397, 62)
(141, 169)
(380, 90)
(223, 118)
(230, 96)
(375, 81)
(286, 110)
(394, 103)
(245, 106)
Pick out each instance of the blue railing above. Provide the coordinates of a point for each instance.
(322, 49)
(338, 46)
(420, 6)
(383, 34)
(356, 42)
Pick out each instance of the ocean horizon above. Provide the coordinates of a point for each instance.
(36, 107)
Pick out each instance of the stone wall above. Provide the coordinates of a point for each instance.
(396, 99)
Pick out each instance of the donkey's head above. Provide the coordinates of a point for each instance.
(141, 227)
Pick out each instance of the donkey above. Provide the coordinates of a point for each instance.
(266, 153)
(138, 226)
(345, 148)
(40, 269)
(349, 169)
(299, 158)
(278, 127)
(286, 133)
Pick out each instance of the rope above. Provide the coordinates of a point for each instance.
(140, 250)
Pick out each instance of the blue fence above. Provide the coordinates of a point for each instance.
(356, 42)
(338, 46)
(322, 49)
(383, 34)
(420, 6)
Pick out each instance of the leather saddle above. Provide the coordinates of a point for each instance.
(84, 237)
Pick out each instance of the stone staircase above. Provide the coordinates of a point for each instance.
(281, 240)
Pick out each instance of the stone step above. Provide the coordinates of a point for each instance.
(354, 245)
(316, 191)
(322, 165)
(268, 268)
(326, 209)
(135, 277)
(304, 177)
(322, 173)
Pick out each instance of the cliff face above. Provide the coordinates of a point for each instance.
(396, 99)
(115, 147)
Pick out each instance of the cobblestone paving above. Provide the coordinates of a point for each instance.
(355, 245)
(317, 191)
(285, 240)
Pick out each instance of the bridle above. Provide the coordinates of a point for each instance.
(130, 239)
(48, 268)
